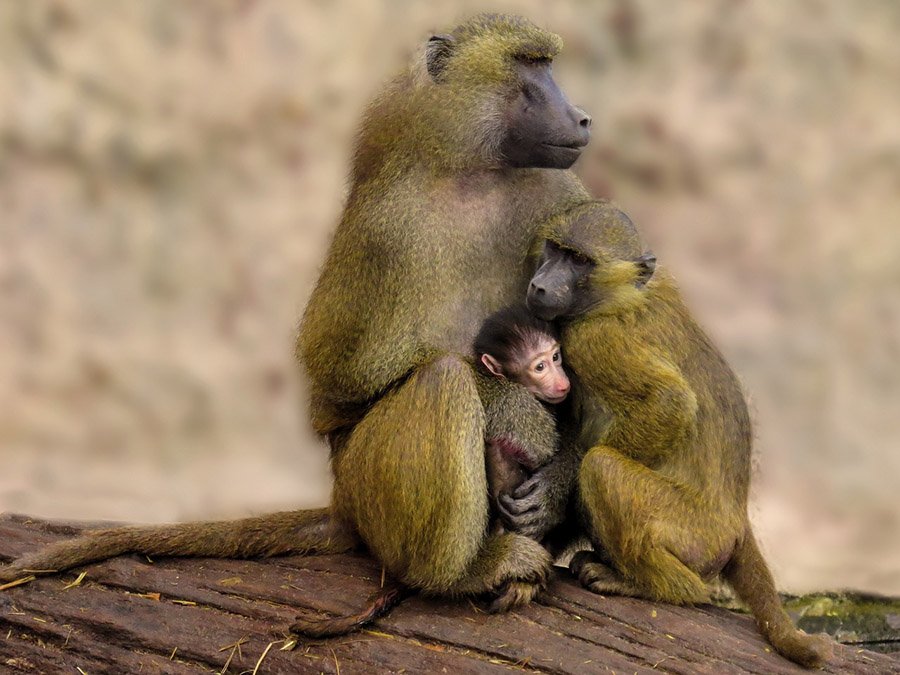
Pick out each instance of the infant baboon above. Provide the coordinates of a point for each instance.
(514, 345)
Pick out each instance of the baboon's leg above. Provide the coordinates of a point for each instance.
(514, 567)
(658, 535)
(313, 530)
(663, 541)
(412, 480)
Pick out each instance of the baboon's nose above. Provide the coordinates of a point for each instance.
(582, 122)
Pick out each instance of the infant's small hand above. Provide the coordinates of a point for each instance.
(527, 510)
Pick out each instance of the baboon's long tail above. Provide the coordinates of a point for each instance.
(379, 604)
(314, 530)
(751, 579)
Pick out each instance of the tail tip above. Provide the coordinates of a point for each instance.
(810, 651)
(10, 573)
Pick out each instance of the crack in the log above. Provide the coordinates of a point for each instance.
(700, 656)
(41, 650)
(482, 655)
(178, 659)
(420, 639)
(275, 562)
(129, 588)
(344, 659)
(461, 653)
(207, 586)
(114, 635)
(655, 665)
(302, 605)
(446, 647)
(50, 638)
(631, 657)
(121, 588)
(117, 635)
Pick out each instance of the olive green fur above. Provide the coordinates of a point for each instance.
(514, 413)
(429, 202)
(310, 531)
(663, 486)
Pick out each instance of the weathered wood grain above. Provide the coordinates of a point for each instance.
(131, 615)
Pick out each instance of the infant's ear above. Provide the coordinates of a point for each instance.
(646, 266)
(492, 365)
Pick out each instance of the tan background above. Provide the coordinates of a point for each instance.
(170, 174)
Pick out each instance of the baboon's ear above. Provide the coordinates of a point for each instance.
(646, 266)
(437, 54)
(492, 365)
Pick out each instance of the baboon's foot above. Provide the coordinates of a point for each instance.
(515, 594)
(523, 585)
(598, 577)
(510, 568)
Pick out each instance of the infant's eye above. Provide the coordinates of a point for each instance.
(556, 357)
(540, 367)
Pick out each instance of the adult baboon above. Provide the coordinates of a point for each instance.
(457, 164)
(663, 486)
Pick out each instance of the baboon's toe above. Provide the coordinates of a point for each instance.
(516, 594)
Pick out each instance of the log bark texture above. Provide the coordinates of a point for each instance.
(130, 615)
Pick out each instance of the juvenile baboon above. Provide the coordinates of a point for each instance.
(457, 164)
(514, 345)
(663, 486)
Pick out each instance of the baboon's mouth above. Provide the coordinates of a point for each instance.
(565, 146)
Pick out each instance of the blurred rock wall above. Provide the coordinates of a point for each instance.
(170, 174)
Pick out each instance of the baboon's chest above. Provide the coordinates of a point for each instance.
(485, 222)
(480, 238)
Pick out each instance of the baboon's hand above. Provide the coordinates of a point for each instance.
(531, 509)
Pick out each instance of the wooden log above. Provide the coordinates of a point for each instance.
(131, 615)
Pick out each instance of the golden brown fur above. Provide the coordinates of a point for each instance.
(663, 485)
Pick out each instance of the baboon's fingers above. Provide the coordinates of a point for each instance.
(598, 577)
(529, 517)
(528, 486)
